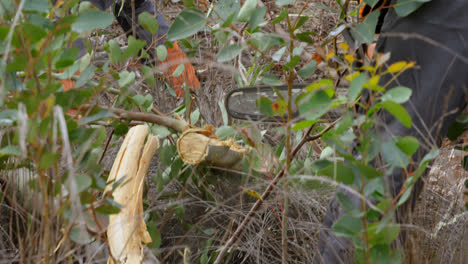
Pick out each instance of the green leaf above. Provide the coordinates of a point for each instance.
(227, 10)
(48, 159)
(291, 64)
(187, 23)
(179, 211)
(355, 87)
(397, 66)
(385, 235)
(455, 130)
(67, 58)
(462, 118)
(91, 20)
(179, 70)
(304, 124)
(188, 3)
(149, 22)
(10, 150)
(282, 15)
(405, 196)
(371, 3)
(228, 22)
(99, 115)
(225, 132)
(301, 21)
(280, 107)
(265, 106)
(148, 74)
(393, 155)
(133, 48)
(85, 76)
(18, 64)
(228, 53)
(265, 41)
(398, 111)
(284, 2)
(338, 171)
(385, 254)
(368, 171)
(166, 154)
(257, 18)
(194, 116)
(8, 117)
(423, 165)
(398, 95)
(247, 10)
(307, 70)
(34, 32)
(36, 5)
(321, 84)
(80, 236)
(270, 79)
(347, 226)
(345, 202)
(305, 37)
(115, 54)
(126, 78)
(406, 7)
(139, 99)
(464, 164)
(315, 105)
(408, 145)
(364, 31)
(161, 52)
(155, 235)
(160, 131)
(83, 182)
(224, 113)
(109, 207)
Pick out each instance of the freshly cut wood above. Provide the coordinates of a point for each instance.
(127, 233)
(200, 146)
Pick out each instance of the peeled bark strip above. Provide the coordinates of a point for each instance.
(195, 146)
(127, 232)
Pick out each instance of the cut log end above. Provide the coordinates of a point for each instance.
(195, 147)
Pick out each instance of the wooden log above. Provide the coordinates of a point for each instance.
(201, 147)
(127, 233)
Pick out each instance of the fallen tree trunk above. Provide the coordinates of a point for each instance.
(201, 147)
(127, 232)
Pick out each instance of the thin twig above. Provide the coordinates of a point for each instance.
(177, 125)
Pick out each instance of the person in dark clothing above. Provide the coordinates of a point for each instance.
(435, 36)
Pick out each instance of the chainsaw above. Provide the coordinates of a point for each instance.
(242, 103)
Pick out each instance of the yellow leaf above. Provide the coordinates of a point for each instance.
(252, 193)
(349, 58)
(397, 66)
(374, 81)
(351, 77)
(344, 46)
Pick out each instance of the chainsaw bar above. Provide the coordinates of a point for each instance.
(242, 103)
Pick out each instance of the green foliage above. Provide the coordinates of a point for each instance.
(187, 23)
(406, 7)
(365, 31)
(371, 230)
